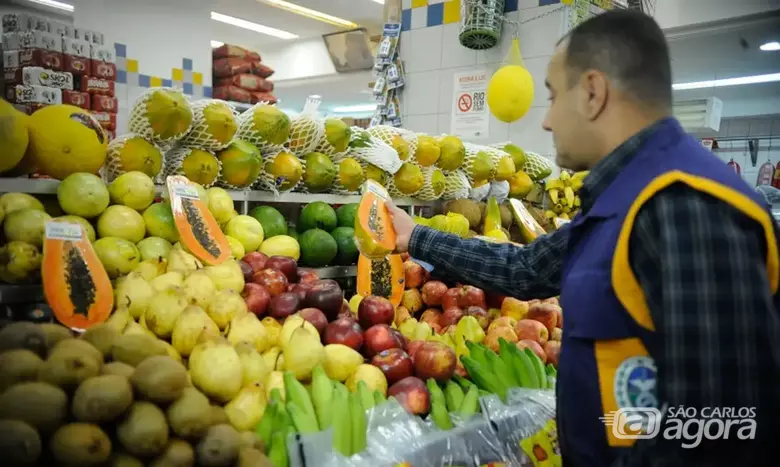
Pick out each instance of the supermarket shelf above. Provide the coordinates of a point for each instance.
(47, 187)
(335, 272)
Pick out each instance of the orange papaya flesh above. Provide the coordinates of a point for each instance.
(382, 278)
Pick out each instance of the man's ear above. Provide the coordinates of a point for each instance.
(595, 91)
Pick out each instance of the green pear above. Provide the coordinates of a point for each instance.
(248, 328)
(246, 409)
(290, 325)
(341, 361)
(302, 353)
(215, 369)
(183, 262)
(253, 366)
(191, 323)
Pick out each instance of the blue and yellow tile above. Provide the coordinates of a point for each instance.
(197, 78)
(132, 65)
(155, 82)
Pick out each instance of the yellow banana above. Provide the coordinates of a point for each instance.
(549, 214)
(569, 194)
(577, 201)
(566, 209)
(576, 185)
(565, 177)
(557, 208)
(554, 184)
(579, 175)
(564, 216)
(554, 195)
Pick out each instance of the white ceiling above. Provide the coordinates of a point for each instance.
(366, 13)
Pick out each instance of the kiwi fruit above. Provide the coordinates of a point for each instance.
(178, 454)
(118, 368)
(160, 379)
(19, 443)
(42, 405)
(80, 444)
(68, 367)
(102, 398)
(218, 415)
(120, 459)
(55, 333)
(79, 345)
(219, 447)
(102, 337)
(143, 432)
(135, 348)
(24, 335)
(251, 457)
(18, 365)
(190, 415)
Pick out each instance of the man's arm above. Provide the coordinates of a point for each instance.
(702, 266)
(533, 271)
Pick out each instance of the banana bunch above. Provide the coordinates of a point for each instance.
(299, 412)
(562, 192)
(509, 368)
(459, 399)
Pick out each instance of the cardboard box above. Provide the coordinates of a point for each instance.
(106, 119)
(78, 66)
(102, 53)
(43, 58)
(103, 70)
(102, 103)
(11, 59)
(88, 35)
(77, 98)
(17, 22)
(32, 40)
(94, 85)
(38, 76)
(75, 47)
(28, 94)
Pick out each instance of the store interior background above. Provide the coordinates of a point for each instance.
(709, 39)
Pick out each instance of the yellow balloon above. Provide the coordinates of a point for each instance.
(510, 93)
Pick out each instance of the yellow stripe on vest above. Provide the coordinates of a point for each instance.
(625, 283)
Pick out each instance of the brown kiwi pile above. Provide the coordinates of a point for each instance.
(103, 399)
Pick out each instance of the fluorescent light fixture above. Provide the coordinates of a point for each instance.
(354, 108)
(381, 2)
(770, 46)
(716, 83)
(53, 4)
(309, 13)
(241, 23)
(215, 44)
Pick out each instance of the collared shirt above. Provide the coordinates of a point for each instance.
(702, 265)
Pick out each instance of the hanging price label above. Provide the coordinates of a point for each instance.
(63, 231)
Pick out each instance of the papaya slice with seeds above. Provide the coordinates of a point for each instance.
(374, 233)
(382, 278)
(199, 232)
(75, 283)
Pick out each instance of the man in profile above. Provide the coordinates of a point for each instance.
(668, 276)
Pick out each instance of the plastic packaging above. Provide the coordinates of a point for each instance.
(374, 232)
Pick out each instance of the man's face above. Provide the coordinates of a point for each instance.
(569, 117)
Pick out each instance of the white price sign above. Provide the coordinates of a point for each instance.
(470, 114)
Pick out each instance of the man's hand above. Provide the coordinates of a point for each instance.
(403, 225)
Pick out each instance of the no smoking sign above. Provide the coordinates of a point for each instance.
(465, 102)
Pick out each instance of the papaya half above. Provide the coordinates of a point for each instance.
(75, 283)
(374, 233)
(199, 232)
(381, 278)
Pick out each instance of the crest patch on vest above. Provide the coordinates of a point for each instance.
(635, 382)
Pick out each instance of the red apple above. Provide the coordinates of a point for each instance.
(380, 337)
(344, 331)
(394, 363)
(414, 274)
(483, 317)
(246, 270)
(435, 360)
(412, 394)
(315, 317)
(433, 293)
(412, 347)
(256, 298)
(436, 327)
(271, 279)
(307, 277)
(553, 350)
(325, 295)
(431, 316)
(400, 337)
(471, 296)
(285, 265)
(375, 310)
(532, 330)
(284, 305)
(534, 346)
(451, 316)
(255, 260)
(300, 289)
(450, 298)
(544, 313)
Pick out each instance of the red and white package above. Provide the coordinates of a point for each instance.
(106, 119)
(228, 51)
(227, 67)
(263, 71)
(94, 85)
(39, 76)
(104, 104)
(78, 66)
(103, 70)
(232, 93)
(26, 94)
(77, 98)
(765, 174)
(45, 58)
(75, 47)
(12, 76)
(247, 81)
(266, 97)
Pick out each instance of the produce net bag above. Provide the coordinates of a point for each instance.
(510, 91)
(242, 164)
(265, 126)
(403, 141)
(161, 115)
(131, 152)
(456, 185)
(433, 185)
(335, 139)
(372, 150)
(481, 162)
(350, 174)
(214, 125)
(282, 172)
(408, 181)
(306, 130)
(198, 165)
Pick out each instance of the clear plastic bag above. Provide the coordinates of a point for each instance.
(373, 150)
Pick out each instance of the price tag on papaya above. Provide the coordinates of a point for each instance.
(542, 447)
(198, 230)
(75, 283)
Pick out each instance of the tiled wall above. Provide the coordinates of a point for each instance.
(432, 54)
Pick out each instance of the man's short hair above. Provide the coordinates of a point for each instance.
(630, 48)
